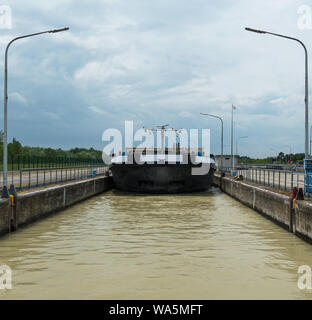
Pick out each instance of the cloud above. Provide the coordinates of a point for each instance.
(51, 115)
(96, 110)
(17, 97)
(154, 62)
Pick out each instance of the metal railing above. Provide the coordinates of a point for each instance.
(28, 162)
(276, 179)
(39, 177)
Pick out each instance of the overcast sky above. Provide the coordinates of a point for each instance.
(155, 62)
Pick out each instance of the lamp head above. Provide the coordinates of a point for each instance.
(255, 30)
(59, 30)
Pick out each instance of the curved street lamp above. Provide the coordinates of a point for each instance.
(306, 146)
(5, 193)
(211, 115)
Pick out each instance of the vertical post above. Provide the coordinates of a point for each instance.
(306, 104)
(310, 141)
(162, 140)
(232, 153)
(221, 162)
(29, 173)
(273, 178)
(5, 126)
(12, 169)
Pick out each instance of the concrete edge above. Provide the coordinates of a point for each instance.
(274, 213)
(36, 205)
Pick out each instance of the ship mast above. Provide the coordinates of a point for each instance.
(162, 128)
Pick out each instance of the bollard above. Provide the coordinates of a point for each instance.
(13, 218)
(292, 198)
(293, 193)
(5, 192)
(300, 195)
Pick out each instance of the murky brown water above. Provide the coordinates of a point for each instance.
(121, 246)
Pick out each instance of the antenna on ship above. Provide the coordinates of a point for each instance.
(163, 128)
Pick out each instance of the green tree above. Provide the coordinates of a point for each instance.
(49, 152)
(14, 148)
(281, 157)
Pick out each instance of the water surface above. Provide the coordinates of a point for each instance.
(125, 246)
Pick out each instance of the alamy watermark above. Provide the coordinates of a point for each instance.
(5, 277)
(182, 146)
(5, 17)
(305, 17)
(305, 280)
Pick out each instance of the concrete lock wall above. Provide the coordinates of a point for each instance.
(34, 205)
(303, 220)
(4, 216)
(275, 206)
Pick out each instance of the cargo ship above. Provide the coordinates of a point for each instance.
(163, 170)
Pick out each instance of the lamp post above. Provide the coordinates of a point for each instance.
(310, 141)
(243, 137)
(232, 136)
(306, 149)
(5, 127)
(211, 115)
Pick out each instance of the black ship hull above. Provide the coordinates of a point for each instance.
(160, 178)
